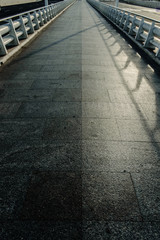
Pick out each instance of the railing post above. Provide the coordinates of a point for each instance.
(22, 25)
(118, 17)
(140, 31)
(47, 14)
(52, 9)
(36, 20)
(30, 24)
(149, 38)
(3, 49)
(131, 32)
(117, 2)
(23, 28)
(122, 19)
(46, 2)
(158, 53)
(144, 31)
(109, 13)
(127, 22)
(15, 42)
(115, 14)
(41, 18)
(44, 15)
(50, 12)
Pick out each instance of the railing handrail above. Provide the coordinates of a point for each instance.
(18, 27)
(24, 13)
(139, 15)
(146, 34)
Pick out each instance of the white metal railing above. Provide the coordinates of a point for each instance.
(144, 31)
(144, 3)
(18, 27)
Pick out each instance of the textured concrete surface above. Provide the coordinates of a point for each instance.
(80, 136)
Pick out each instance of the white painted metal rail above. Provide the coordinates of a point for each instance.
(142, 30)
(19, 27)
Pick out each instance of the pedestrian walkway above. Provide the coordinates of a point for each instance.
(80, 136)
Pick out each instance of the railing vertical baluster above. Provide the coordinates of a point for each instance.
(3, 49)
(47, 14)
(131, 32)
(135, 26)
(44, 15)
(52, 7)
(122, 19)
(40, 18)
(149, 37)
(21, 25)
(158, 53)
(140, 31)
(127, 22)
(36, 20)
(15, 42)
(119, 17)
(50, 12)
(23, 28)
(30, 23)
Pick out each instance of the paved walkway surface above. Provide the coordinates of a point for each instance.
(80, 136)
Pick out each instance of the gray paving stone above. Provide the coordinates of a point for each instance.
(43, 194)
(24, 67)
(102, 84)
(69, 95)
(58, 156)
(146, 97)
(95, 68)
(22, 95)
(12, 131)
(148, 194)
(100, 129)
(69, 57)
(117, 156)
(87, 230)
(122, 63)
(126, 111)
(43, 75)
(101, 76)
(17, 84)
(65, 109)
(80, 155)
(112, 110)
(120, 96)
(136, 83)
(41, 230)
(152, 76)
(96, 110)
(55, 83)
(33, 110)
(13, 186)
(109, 196)
(95, 95)
(8, 110)
(62, 129)
(156, 86)
(121, 230)
(94, 61)
(66, 68)
(90, 59)
(152, 111)
(50, 109)
(138, 130)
